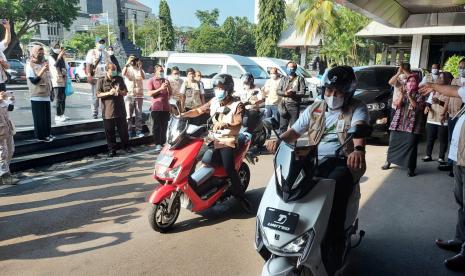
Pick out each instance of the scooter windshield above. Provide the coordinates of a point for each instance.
(175, 128)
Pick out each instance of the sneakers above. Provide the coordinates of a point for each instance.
(427, 159)
(8, 179)
(47, 139)
(112, 153)
(61, 119)
(157, 148)
(386, 166)
(139, 134)
(441, 161)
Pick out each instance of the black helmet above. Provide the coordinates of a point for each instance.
(247, 78)
(225, 80)
(341, 78)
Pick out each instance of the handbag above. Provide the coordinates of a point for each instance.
(69, 90)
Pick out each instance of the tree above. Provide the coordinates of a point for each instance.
(241, 34)
(208, 39)
(314, 17)
(101, 31)
(209, 18)
(81, 42)
(166, 27)
(29, 13)
(271, 21)
(452, 65)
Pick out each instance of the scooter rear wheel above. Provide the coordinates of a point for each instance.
(244, 176)
(160, 219)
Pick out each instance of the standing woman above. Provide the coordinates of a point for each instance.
(57, 64)
(40, 86)
(406, 127)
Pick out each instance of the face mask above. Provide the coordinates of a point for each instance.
(101, 47)
(334, 102)
(220, 94)
(110, 53)
(411, 86)
(290, 71)
(161, 75)
(246, 86)
(114, 74)
(462, 73)
(40, 57)
(434, 71)
(274, 76)
(175, 77)
(56, 51)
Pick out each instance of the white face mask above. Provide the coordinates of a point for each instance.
(334, 102)
(56, 51)
(274, 76)
(161, 75)
(110, 53)
(462, 73)
(434, 71)
(101, 47)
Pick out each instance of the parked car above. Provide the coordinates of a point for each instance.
(213, 64)
(16, 72)
(267, 63)
(374, 90)
(77, 70)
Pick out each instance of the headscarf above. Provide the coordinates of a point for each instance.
(34, 52)
(417, 80)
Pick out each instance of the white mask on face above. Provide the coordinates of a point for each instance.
(161, 75)
(110, 53)
(334, 102)
(435, 71)
(462, 73)
(274, 76)
(101, 47)
(56, 51)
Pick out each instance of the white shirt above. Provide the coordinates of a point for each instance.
(330, 141)
(92, 57)
(30, 74)
(454, 143)
(2, 57)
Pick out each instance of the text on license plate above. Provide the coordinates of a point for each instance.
(280, 220)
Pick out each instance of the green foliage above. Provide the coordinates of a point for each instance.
(209, 18)
(452, 65)
(30, 13)
(268, 32)
(340, 45)
(101, 31)
(81, 42)
(146, 35)
(166, 28)
(315, 17)
(241, 34)
(210, 39)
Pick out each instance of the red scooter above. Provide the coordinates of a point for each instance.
(185, 184)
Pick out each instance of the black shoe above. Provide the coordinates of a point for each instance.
(411, 172)
(246, 205)
(451, 174)
(450, 245)
(129, 150)
(427, 159)
(445, 167)
(456, 263)
(112, 153)
(386, 166)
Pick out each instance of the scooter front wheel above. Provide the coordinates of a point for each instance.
(160, 218)
(244, 176)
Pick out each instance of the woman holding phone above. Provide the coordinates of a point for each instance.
(58, 74)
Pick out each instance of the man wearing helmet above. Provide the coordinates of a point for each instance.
(327, 123)
(227, 121)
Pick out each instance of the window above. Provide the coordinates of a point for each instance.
(94, 6)
(208, 70)
(302, 72)
(256, 71)
(234, 71)
(377, 78)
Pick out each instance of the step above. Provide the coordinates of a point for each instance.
(74, 126)
(67, 153)
(27, 146)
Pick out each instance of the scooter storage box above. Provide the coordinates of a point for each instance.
(201, 175)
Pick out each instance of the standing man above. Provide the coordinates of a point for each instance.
(111, 90)
(160, 90)
(96, 61)
(193, 95)
(134, 77)
(433, 76)
(457, 154)
(272, 99)
(292, 89)
(176, 83)
(3, 61)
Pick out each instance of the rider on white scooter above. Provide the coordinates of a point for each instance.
(327, 123)
(226, 125)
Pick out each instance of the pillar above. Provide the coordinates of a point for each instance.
(393, 56)
(384, 56)
(303, 56)
(424, 57)
(415, 53)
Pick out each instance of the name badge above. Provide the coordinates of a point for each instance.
(340, 125)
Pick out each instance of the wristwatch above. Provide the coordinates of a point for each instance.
(359, 148)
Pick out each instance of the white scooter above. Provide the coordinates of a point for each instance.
(293, 215)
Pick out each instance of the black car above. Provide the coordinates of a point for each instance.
(16, 72)
(374, 90)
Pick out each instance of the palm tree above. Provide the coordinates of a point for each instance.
(314, 17)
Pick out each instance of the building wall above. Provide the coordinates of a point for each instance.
(140, 14)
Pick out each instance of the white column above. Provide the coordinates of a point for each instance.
(393, 56)
(303, 56)
(424, 53)
(415, 53)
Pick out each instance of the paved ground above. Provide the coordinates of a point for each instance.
(92, 220)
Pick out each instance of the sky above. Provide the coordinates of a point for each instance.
(183, 11)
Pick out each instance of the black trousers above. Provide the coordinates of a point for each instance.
(289, 118)
(159, 126)
(226, 156)
(2, 87)
(42, 119)
(436, 132)
(122, 126)
(60, 98)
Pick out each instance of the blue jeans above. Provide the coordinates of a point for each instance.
(271, 111)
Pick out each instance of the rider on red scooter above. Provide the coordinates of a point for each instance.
(226, 126)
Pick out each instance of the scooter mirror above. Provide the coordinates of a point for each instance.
(271, 123)
(173, 102)
(360, 131)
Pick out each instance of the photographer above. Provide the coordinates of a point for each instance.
(134, 77)
(3, 61)
(58, 75)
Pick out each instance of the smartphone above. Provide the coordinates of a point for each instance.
(4, 21)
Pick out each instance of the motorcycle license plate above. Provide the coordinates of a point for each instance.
(165, 160)
(280, 220)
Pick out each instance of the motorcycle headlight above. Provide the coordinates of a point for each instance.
(171, 174)
(297, 245)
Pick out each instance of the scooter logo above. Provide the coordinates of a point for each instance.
(281, 220)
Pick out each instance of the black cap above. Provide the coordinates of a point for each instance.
(102, 41)
(342, 78)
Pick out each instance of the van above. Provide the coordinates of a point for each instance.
(267, 63)
(213, 64)
(77, 70)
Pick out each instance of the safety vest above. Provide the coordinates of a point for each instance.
(192, 92)
(317, 128)
(44, 87)
(229, 136)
